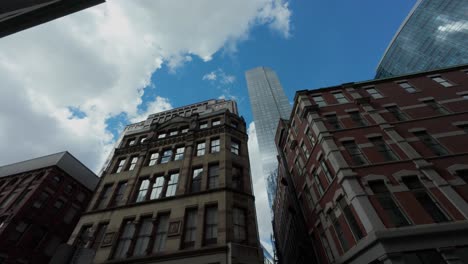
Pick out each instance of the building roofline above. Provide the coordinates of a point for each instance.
(376, 81)
(63, 160)
(403, 24)
(372, 82)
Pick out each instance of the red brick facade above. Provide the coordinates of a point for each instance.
(376, 160)
(38, 210)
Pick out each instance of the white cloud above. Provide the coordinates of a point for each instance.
(210, 76)
(100, 60)
(260, 191)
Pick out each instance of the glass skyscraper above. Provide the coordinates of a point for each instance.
(433, 36)
(269, 104)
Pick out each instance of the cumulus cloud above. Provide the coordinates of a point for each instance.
(219, 75)
(259, 184)
(100, 61)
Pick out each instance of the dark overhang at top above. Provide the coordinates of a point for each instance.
(17, 15)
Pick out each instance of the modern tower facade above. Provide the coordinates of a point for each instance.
(269, 104)
(17, 15)
(377, 171)
(177, 190)
(433, 36)
(40, 203)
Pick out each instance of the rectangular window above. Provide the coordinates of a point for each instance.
(196, 179)
(358, 119)
(18, 232)
(162, 226)
(384, 150)
(41, 200)
(326, 247)
(240, 226)
(441, 81)
(201, 149)
(131, 142)
(235, 147)
(173, 133)
(310, 136)
(99, 235)
(211, 225)
(388, 204)
(299, 166)
(215, 145)
(213, 175)
(374, 93)
(143, 237)
(437, 107)
(305, 150)
(407, 87)
(310, 198)
(179, 155)
(172, 184)
(355, 152)
(334, 122)
(350, 218)
(125, 239)
(319, 100)
(318, 182)
(431, 143)
(105, 194)
(203, 125)
(142, 139)
(20, 198)
(70, 214)
(81, 238)
(236, 178)
(157, 188)
(120, 165)
(162, 135)
(216, 122)
(326, 170)
(340, 98)
(184, 130)
(421, 194)
(339, 231)
(153, 159)
(397, 113)
(190, 228)
(119, 194)
(167, 155)
(133, 163)
(143, 190)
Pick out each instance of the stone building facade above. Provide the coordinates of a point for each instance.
(40, 203)
(177, 190)
(379, 169)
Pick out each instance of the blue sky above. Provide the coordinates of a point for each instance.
(89, 74)
(331, 42)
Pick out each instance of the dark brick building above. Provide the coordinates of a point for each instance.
(40, 203)
(379, 169)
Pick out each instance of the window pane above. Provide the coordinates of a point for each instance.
(161, 233)
(172, 184)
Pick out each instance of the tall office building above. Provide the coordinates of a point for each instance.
(377, 171)
(433, 36)
(17, 15)
(177, 190)
(269, 104)
(40, 203)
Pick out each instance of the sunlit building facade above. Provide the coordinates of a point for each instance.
(433, 36)
(176, 190)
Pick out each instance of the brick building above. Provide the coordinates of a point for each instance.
(379, 169)
(176, 190)
(40, 203)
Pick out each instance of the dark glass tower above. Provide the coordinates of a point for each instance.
(269, 104)
(433, 36)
